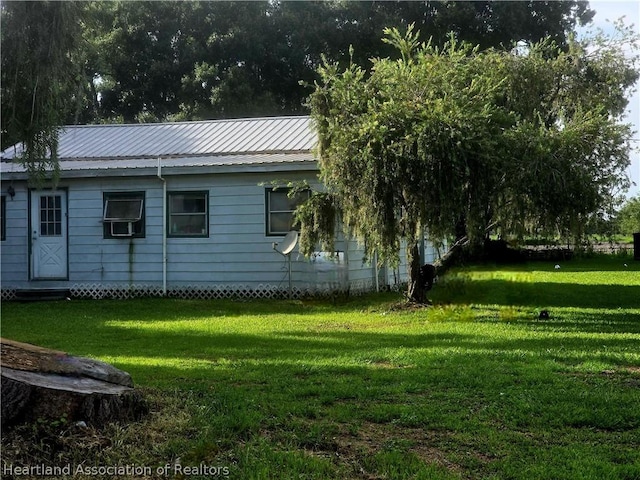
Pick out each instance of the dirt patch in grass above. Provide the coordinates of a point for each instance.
(634, 370)
(385, 364)
(352, 446)
(405, 306)
(621, 370)
(628, 375)
(371, 438)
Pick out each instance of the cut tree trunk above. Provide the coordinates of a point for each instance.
(453, 256)
(43, 384)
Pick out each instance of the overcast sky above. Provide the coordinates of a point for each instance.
(612, 10)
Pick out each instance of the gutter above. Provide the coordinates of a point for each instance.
(274, 167)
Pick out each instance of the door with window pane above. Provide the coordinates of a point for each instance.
(48, 234)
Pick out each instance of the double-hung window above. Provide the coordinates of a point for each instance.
(188, 214)
(123, 214)
(280, 207)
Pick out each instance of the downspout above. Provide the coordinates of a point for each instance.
(375, 271)
(164, 230)
(346, 261)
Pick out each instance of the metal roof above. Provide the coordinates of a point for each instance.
(136, 148)
(210, 137)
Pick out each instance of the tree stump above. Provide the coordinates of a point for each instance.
(38, 383)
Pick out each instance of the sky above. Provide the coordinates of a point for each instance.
(612, 10)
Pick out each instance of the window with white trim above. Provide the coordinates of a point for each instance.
(188, 214)
(280, 207)
(123, 214)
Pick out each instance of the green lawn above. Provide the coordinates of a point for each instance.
(473, 387)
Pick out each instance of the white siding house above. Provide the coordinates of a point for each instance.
(182, 209)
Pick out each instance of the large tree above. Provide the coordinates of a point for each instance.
(41, 75)
(462, 142)
(84, 62)
(191, 60)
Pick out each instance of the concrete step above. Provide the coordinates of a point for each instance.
(42, 294)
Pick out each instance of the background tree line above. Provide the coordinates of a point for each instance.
(123, 61)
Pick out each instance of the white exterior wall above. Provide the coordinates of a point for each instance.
(361, 273)
(128, 261)
(236, 253)
(14, 250)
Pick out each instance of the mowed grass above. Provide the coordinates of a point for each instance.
(475, 386)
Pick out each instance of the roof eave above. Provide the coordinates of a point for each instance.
(275, 167)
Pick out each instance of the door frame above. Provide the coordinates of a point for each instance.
(33, 224)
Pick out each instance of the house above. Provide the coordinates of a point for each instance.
(189, 209)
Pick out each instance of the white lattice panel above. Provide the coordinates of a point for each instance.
(97, 291)
(8, 294)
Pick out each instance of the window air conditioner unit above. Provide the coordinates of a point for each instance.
(122, 213)
(121, 229)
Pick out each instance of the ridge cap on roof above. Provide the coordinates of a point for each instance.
(245, 153)
(189, 122)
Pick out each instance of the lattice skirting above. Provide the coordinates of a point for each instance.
(207, 292)
(248, 292)
(8, 294)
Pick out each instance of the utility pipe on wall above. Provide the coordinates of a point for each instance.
(164, 229)
(375, 271)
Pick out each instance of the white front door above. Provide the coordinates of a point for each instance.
(48, 234)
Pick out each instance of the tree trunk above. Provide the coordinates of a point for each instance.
(38, 383)
(416, 292)
(453, 256)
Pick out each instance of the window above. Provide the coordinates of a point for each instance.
(50, 216)
(188, 214)
(123, 214)
(3, 217)
(280, 208)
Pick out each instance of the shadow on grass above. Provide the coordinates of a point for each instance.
(539, 294)
(91, 333)
(605, 263)
(344, 350)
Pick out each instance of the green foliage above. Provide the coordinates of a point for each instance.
(144, 53)
(41, 76)
(462, 141)
(317, 218)
(628, 218)
(193, 60)
(85, 62)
